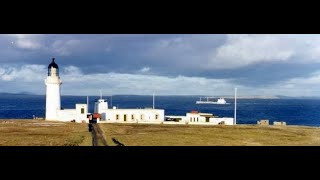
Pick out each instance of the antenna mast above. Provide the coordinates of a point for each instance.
(111, 100)
(88, 104)
(153, 102)
(235, 106)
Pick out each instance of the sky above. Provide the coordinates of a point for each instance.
(166, 64)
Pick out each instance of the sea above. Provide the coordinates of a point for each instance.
(249, 111)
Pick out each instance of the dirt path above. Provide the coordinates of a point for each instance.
(98, 136)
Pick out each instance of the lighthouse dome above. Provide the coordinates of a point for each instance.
(53, 69)
(53, 64)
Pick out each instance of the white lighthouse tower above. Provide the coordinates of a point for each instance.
(53, 83)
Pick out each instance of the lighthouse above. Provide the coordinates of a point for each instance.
(53, 82)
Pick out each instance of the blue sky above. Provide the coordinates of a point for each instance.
(167, 64)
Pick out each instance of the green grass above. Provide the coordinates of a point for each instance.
(184, 135)
(43, 133)
(47, 133)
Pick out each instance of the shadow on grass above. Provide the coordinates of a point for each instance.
(117, 142)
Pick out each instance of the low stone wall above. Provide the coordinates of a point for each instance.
(279, 123)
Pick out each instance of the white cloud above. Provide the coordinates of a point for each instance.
(171, 42)
(144, 69)
(302, 86)
(25, 73)
(72, 71)
(30, 78)
(116, 83)
(211, 52)
(311, 82)
(242, 50)
(170, 48)
(185, 53)
(189, 52)
(66, 47)
(27, 41)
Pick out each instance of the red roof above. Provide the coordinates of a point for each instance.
(96, 115)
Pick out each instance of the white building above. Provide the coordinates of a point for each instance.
(53, 83)
(100, 107)
(114, 115)
(53, 100)
(197, 118)
(79, 114)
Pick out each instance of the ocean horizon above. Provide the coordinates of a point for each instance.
(293, 111)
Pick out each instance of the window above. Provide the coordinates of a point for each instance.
(141, 116)
(197, 119)
(117, 117)
(82, 110)
(157, 116)
(132, 117)
(190, 119)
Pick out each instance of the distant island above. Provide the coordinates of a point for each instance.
(249, 97)
(20, 93)
(266, 97)
(217, 96)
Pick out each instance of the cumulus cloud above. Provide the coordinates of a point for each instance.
(27, 41)
(185, 51)
(75, 82)
(144, 69)
(30, 78)
(203, 52)
(311, 83)
(300, 86)
(62, 45)
(67, 47)
(215, 52)
(116, 83)
(122, 83)
(25, 73)
(72, 71)
(173, 58)
(211, 52)
(243, 50)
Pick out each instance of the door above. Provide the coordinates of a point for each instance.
(125, 117)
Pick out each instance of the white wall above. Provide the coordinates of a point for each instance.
(66, 115)
(81, 116)
(227, 121)
(195, 118)
(52, 97)
(139, 115)
(100, 106)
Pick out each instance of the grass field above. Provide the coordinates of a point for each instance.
(183, 135)
(46, 133)
(43, 133)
